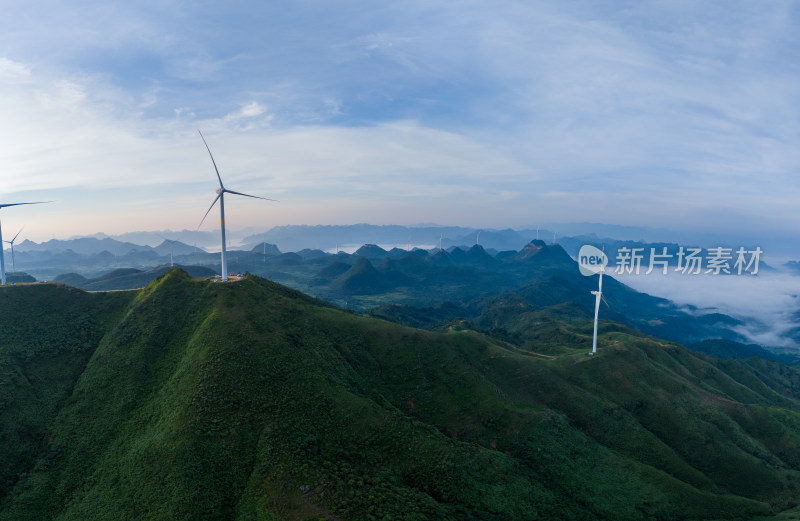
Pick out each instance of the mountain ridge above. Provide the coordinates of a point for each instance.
(249, 400)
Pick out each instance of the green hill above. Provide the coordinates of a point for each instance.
(72, 279)
(126, 278)
(249, 401)
(18, 277)
(361, 278)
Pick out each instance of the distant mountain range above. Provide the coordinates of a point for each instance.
(325, 237)
(93, 245)
(350, 237)
(296, 238)
(373, 276)
(92, 257)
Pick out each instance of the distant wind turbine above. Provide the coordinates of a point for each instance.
(221, 191)
(11, 242)
(477, 239)
(171, 250)
(2, 257)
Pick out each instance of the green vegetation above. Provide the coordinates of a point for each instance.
(390, 284)
(48, 334)
(721, 348)
(126, 278)
(250, 401)
(17, 277)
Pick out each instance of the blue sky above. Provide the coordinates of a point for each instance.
(671, 114)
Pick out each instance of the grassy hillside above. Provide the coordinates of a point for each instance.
(48, 334)
(250, 401)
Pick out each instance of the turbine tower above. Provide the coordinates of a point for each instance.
(591, 261)
(2, 257)
(221, 191)
(171, 250)
(11, 242)
(597, 296)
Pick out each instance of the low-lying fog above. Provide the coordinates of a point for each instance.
(767, 303)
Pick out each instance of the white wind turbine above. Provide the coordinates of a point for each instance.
(221, 191)
(11, 242)
(171, 250)
(591, 261)
(2, 257)
(597, 296)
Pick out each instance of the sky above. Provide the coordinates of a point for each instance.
(670, 114)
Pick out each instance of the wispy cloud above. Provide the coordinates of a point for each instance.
(632, 113)
(67, 138)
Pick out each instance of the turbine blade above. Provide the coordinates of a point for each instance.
(209, 209)
(604, 300)
(17, 235)
(248, 195)
(212, 159)
(17, 204)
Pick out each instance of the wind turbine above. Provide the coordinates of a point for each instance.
(598, 295)
(171, 250)
(221, 191)
(11, 242)
(2, 257)
(591, 261)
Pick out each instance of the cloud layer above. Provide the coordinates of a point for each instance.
(457, 112)
(765, 303)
